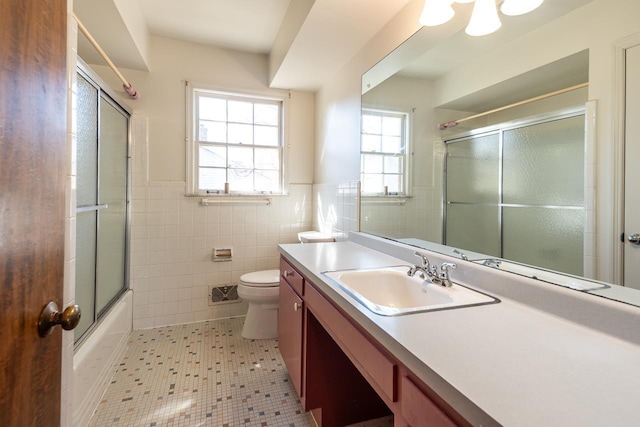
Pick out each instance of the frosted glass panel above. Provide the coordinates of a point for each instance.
(113, 192)
(544, 164)
(548, 238)
(85, 269)
(473, 170)
(87, 143)
(474, 228)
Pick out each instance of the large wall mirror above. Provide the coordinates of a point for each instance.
(514, 189)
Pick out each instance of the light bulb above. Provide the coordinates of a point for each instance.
(484, 19)
(519, 7)
(436, 12)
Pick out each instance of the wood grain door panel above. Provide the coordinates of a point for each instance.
(33, 119)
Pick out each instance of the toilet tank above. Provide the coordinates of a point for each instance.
(314, 237)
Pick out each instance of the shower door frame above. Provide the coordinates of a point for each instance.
(500, 129)
(110, 96)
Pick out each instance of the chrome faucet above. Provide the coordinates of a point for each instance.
(426, 270)
(430, 272)
(443, 278)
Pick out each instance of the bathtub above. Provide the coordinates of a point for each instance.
(97, 359)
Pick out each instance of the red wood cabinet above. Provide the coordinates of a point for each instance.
(312, 330)
(290, 323)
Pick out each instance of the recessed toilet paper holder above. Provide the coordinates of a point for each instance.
(222, 254)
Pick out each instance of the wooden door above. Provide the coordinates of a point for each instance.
(33, 121)
(632, 172)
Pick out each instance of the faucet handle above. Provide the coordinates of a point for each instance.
(446, 266)
(462, 254)
(425, 260)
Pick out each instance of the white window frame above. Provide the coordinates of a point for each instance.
(407, 155)
(192, 143)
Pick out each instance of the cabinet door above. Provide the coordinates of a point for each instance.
(420, 411)
(290, 320)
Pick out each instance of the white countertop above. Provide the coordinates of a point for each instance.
(507, 363)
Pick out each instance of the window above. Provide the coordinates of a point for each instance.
(383, 152)
(236, 143)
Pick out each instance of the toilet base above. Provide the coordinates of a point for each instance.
(260, 323)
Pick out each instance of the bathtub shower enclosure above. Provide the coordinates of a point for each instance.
(518, 192)
(102, 202)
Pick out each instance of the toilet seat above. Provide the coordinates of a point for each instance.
(261, 279)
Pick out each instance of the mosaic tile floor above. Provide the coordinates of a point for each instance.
(200, 374)
(203, 374)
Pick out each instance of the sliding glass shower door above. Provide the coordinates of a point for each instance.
(101, 214)
(518, 193)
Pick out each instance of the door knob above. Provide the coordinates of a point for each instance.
(634, 239)
(50, 317)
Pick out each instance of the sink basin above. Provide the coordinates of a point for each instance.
(388, 291)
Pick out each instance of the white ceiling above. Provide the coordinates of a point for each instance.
(330, 34)
(246, 25)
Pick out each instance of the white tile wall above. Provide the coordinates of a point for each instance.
(173, 236)
(420, 217)
(336, 208)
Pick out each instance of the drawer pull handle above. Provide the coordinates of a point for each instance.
(287, 273)
(296, 306)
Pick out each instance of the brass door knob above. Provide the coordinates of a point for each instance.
(51, 317)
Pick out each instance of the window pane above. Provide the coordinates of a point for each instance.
(371, 124)
(392, 164)
(229, 130)
(212, 108)
(267, 158)
(240, 157)
(372, 183)
(266, 114)
(212, 156)
(241, 179)
(212, 131)
(267, 181)
(371, 143)
(372, 163)
(240, 134)
(266, 135)
(393, 183)
(211, 179)
(240, 111)
(391, 144)
(392, 126)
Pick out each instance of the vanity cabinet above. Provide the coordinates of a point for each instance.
(290, 322)
(342, 373)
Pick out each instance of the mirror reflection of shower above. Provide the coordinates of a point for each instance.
(518, 192)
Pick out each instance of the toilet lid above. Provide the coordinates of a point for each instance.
(261, 278)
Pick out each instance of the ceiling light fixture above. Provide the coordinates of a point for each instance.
(436, 12)
(484, 19)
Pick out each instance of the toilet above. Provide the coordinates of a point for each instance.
(260, 289)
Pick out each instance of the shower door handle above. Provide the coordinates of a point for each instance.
(634, 239)
(50, 317)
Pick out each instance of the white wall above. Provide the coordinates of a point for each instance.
(162, 99)
(598, 26)
(172, 235)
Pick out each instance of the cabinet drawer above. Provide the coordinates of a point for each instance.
(420, 411)
(288, 273)
(371, 362)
